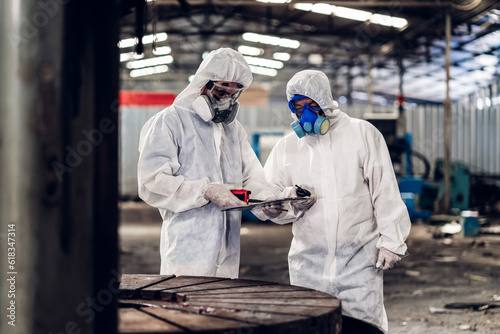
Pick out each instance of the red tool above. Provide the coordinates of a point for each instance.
(242, 194)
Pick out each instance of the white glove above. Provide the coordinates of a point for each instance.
(221, 195)
(304, 204)
(272, 210)
(387, 259)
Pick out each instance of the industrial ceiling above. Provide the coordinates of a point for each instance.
(353, 48)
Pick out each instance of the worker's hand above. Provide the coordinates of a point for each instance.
(387, 259)
(272, 210)
(221, 195)
(304, 204)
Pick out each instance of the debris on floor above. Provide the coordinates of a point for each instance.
(476, 306)
(448, 229)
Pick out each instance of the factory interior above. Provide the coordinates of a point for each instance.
(80, 79)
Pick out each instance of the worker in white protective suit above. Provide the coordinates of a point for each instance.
(192, 154)
(355, 224)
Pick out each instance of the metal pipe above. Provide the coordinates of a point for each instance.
(357, 4)
(56, 179)
(349, 83)
(447, 117)
(18, 97)
(401, 124)
(370, 85)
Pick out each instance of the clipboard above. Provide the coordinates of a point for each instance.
(253, 203)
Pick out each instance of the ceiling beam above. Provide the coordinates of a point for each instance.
(357, 4)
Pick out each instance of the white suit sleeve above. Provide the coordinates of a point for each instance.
(391, 213)
(156, 169)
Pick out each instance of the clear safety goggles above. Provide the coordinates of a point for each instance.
(300, 109)
(224, 91)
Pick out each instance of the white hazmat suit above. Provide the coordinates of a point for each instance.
(358, 209)
(182, 152)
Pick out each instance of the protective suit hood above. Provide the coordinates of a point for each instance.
(223, 64)
(314, 84)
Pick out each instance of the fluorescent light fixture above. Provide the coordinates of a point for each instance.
(489, 69)
(271, 40)
(147, 39)
(162, 50)
(148, 71)
(487, 102)
(398, 22)
(251, 37)
(352, 14)
(289, 43)
(264, 71)
(150, 62)
(322, 8)
(127, 42)
(130, 55)
(274, 1)
(315, 59)
(303, 6)
(160, 37)
(470, 64)
(487, 60)
(480, 76)
(388, 21)
(480, 104)
(283, 56)
(250, 50)
(264, 62)
(381, 19)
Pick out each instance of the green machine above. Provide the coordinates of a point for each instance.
(460, 178)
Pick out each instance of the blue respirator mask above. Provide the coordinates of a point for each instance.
(310, 122)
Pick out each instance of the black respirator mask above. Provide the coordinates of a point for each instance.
(222, 101)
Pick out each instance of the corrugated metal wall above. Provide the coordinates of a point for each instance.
(132, 119)
(475, 131)
(475, 140)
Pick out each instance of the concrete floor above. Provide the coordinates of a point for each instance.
(439, 271)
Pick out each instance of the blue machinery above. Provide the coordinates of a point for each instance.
(430, 188)
(411, 186)
(411, 190)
